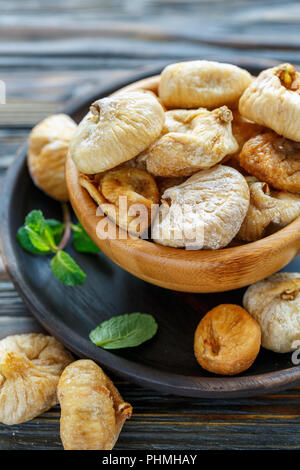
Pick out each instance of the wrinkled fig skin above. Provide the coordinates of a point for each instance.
(192, 141)
(212, 204)
(275, 304)
(227, 340)
(136, 185)
(267, 206)
(92, 410)
(274, 160)
(273, 100)
(202, 83)
(131, 185)
(48, 148)
(116, 130)
(30, 367)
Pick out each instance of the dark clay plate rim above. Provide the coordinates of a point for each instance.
(210, 387)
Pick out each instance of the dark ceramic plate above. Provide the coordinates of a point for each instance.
(166, 362)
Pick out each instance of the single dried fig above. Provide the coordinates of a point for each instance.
(202, 83)
(267, 206)
(92, 410)
(115, 130)
(275, 304)
(30, 367)
(206, 211)
(48, 147)
(273, 100)
(227, 340)
(273, 159)
(122, 193)
(193, 140)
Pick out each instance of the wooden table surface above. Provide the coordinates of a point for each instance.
(52, 52)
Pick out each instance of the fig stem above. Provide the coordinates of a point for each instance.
(66, 222)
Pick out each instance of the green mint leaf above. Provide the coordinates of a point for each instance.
(81, 241)
(24, 240)
(36, 221)
(66, 269)
(124, 331)
(49, 238)
(57, 229)
(33, 237)
(37, 240)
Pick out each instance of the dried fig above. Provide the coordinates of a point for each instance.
(267, 206)
(202, 83)
(273, 159)
(122, 193)
(115, 130)
(275, 304)
(206, 211)
(273, 100)
(92, 410)
(227, 340)
(48, 147)
(192, 141)
(30, 367)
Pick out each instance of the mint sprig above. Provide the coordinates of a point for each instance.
(124, 331)
(36, 221)
(42, 236)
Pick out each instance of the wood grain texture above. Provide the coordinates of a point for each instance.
(52, 52)
(162, 421)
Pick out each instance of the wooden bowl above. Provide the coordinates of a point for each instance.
(183, 270)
